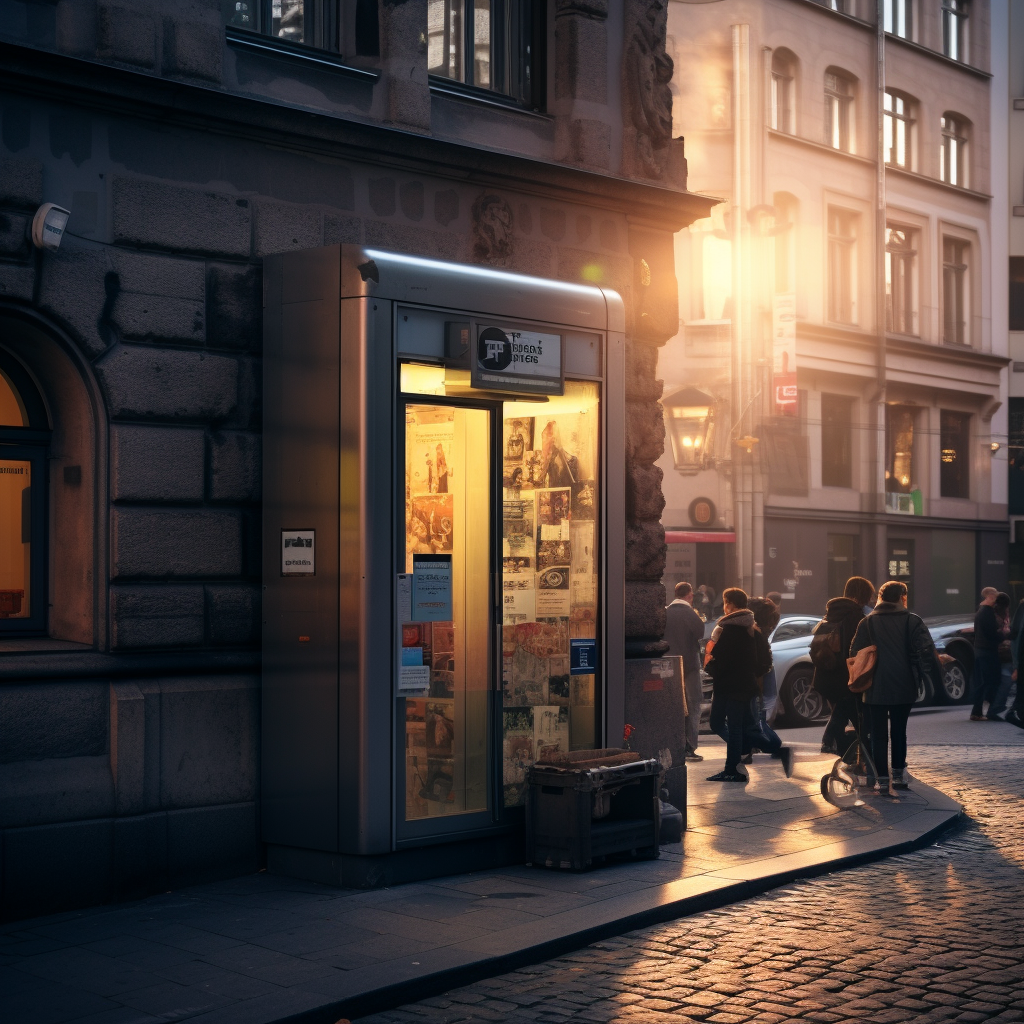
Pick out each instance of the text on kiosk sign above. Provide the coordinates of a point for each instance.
(510, 359)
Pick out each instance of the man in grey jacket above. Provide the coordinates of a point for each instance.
(905, 650)
(684, 630)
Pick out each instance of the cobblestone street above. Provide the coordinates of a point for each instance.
(936, 935)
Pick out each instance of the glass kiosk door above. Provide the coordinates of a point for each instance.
(526, 585)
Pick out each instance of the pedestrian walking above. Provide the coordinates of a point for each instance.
(684, 630)
(830, 647)
(904, 651)
(1015, 716)
(987, 638)
(739, 656)
(762, 707)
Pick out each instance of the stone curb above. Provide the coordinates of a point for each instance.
(668, 902)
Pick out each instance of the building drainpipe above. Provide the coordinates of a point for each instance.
(881, 550)
(741, 349)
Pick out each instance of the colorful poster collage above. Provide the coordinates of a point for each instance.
(550, 581)
(430, 734)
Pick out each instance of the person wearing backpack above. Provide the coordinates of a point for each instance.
(904, 650)
(830, 646)
(739, 656)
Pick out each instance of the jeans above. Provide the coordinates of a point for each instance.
(759, 713)
(888, 721)
(986, 679)
(845, 712)
(734, 722)
(1001, 698)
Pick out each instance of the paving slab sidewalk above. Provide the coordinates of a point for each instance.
(263, 948)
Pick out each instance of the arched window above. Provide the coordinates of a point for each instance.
(953, 151)
(840, 88)
(24, 445)
(782, 106)
(899, 129)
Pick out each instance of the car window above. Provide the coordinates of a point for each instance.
(792, 629)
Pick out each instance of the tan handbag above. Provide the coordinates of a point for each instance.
(862, 666)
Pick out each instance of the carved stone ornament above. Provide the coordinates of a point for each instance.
(492, 230)
(647, 72)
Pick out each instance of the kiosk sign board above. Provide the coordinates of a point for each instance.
(518, 361)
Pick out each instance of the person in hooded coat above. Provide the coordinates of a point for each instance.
(846, 611)
(905, 649)
(739, 656)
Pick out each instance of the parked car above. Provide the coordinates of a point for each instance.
(800, 704)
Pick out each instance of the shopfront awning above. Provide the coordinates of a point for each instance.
(700, 537)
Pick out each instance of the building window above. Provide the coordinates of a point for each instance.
(836, 441)
(838, 110)
(954, 291)
(307, 22)
(954, 29)
(841, 265)
(955, 454)
(1017, 293)
(953, 150)
(898, 129)
(897, 15)
(899, 450)
(900, 256)
(24, 449)
(489, 44)
(782, 116)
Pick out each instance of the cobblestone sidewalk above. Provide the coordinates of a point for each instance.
(935, 935)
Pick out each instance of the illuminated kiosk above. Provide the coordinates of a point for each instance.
(443, 555)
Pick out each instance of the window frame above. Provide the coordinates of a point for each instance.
(956, 272)
(30, 444)
(839, 111)
(782, 99)
(1016, 310)
(322, 17)
(892, 485)
(905, 255)
(895, 11)
(955, 38)
(841, 267)
(894, 121)
(522, 73)
(954, 150)
(957, 442)
(837, 466)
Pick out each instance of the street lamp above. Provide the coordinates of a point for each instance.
(691, 424)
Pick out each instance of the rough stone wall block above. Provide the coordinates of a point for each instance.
(156, 615)
(14, 243)
(127, 746)
(234, 306)
(21, 183)
(644, 497)
(76, 27)
(150, 213)
(642, 384)
(645, 551)
(232, 614)
(645, 614)
(403, 26)
(193, 43)
(126, 33)
(156, 543)
(17, 282)
(235, 467)
(282, 227)
(156, 464)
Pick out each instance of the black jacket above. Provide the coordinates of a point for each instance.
(739, 657)
(905, 649)
(832, 685)
(986, 629)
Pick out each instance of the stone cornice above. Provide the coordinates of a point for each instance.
(55, 77)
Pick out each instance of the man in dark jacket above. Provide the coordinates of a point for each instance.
(987, 671)
(739, 656)
(905, 649)
(842, 614)
(684, 630)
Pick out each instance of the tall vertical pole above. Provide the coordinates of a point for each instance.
(880, 312)
(737, 389)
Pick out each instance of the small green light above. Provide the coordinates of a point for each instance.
(593, 273)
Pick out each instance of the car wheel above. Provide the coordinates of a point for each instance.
(803, 704)
(954, 683)
(925, 692)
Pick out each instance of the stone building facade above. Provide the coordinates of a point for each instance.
(188, 146)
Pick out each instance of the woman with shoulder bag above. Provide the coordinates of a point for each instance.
(904, 649)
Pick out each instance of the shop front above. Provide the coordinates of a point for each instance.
(443, 555)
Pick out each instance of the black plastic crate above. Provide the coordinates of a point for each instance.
(576, 815)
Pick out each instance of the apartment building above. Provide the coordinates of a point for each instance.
(836, 397)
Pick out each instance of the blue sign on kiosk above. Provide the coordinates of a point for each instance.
(582, 657)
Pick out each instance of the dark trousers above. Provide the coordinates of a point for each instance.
(986, 679)
(845, 712)
(888, 722)
(734, 722)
